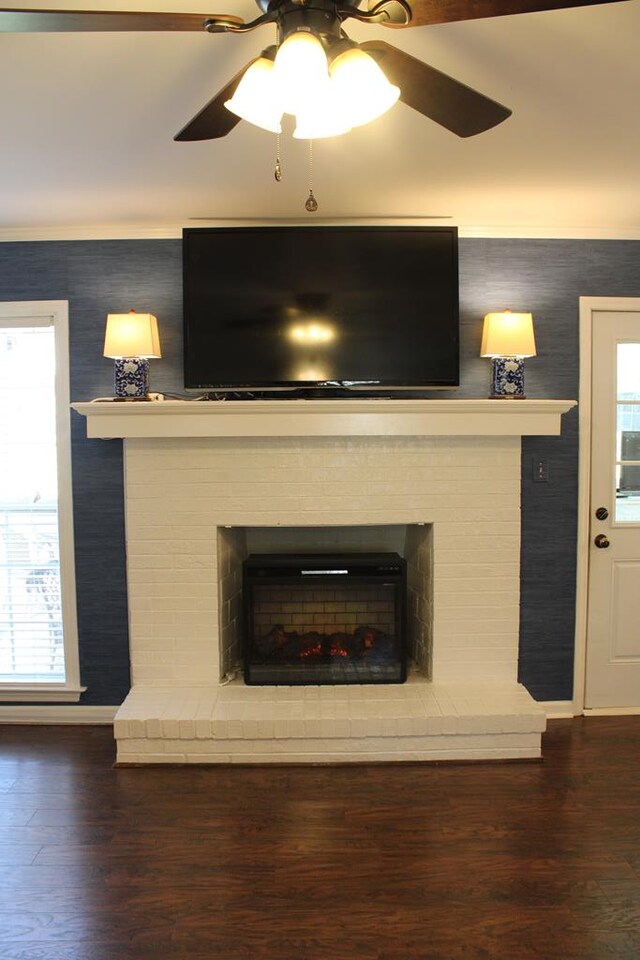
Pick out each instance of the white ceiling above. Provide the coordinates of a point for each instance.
(88, 121)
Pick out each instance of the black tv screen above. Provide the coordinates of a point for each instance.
(364, 308)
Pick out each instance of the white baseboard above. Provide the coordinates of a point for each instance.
(559, 709)
(57, 714)
(611, 711)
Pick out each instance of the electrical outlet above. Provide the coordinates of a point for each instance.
(540, 471)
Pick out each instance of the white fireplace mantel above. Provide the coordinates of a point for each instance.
(323, 418)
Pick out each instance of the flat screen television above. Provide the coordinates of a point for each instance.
(321, 310)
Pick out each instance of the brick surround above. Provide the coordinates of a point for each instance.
(181, 492)
(445, 481)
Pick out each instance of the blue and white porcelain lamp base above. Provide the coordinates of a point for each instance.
(507, 378)
(131, 378)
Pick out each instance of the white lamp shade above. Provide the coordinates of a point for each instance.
(257, 97)
(508, 334)
(301, 71)
(131, 335)
(361, 87)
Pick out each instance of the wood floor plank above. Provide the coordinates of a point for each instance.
(365, 862)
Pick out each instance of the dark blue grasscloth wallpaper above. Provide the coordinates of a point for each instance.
(544, 276)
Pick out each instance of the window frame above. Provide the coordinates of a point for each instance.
(54, 313)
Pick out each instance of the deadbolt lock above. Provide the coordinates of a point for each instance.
(602, 513)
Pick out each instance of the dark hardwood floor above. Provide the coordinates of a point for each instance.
(533, 861)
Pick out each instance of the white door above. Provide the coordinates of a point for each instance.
(613, 632)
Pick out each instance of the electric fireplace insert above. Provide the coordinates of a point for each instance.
(324, 619)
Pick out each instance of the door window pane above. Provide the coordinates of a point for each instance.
(628, 433)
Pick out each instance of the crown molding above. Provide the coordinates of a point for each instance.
(89, 232)
(173, 231)
(547, 233)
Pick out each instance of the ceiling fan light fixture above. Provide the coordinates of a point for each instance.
(257, 98)
(301, 70)
(321, 117)
(314, 125)
(361, 86)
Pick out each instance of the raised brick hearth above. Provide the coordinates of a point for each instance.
(192, 501)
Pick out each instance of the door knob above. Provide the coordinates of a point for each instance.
(602, 513)
(601, 541)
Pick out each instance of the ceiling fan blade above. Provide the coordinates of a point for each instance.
(87, 21)
(434, 94)
(449, 11)
(214, 120)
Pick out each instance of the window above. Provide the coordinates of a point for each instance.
(38, 631)
(627, 497)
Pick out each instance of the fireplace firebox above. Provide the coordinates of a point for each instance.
(324, 619)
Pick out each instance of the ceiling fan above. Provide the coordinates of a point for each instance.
(434, 94)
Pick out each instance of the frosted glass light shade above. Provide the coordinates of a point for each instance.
(301, 71)
(322, 116)
(257, 97)
(361, 87)
(508, 334)
(131, 335)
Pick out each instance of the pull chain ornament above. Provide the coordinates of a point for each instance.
(277, 173)
(312, 204)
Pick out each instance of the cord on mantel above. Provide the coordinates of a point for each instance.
(154, 398)
(230, 676)
(123, 399)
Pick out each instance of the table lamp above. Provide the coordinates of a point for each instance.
(507, 338)
(131, 339)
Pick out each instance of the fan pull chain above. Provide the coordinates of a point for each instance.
(312, 204)
(277, 170)
(277, 173)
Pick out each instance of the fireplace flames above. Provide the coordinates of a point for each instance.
(364, 643)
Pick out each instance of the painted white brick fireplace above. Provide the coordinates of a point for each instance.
(203, 479)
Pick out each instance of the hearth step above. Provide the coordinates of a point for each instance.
(416, 721)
